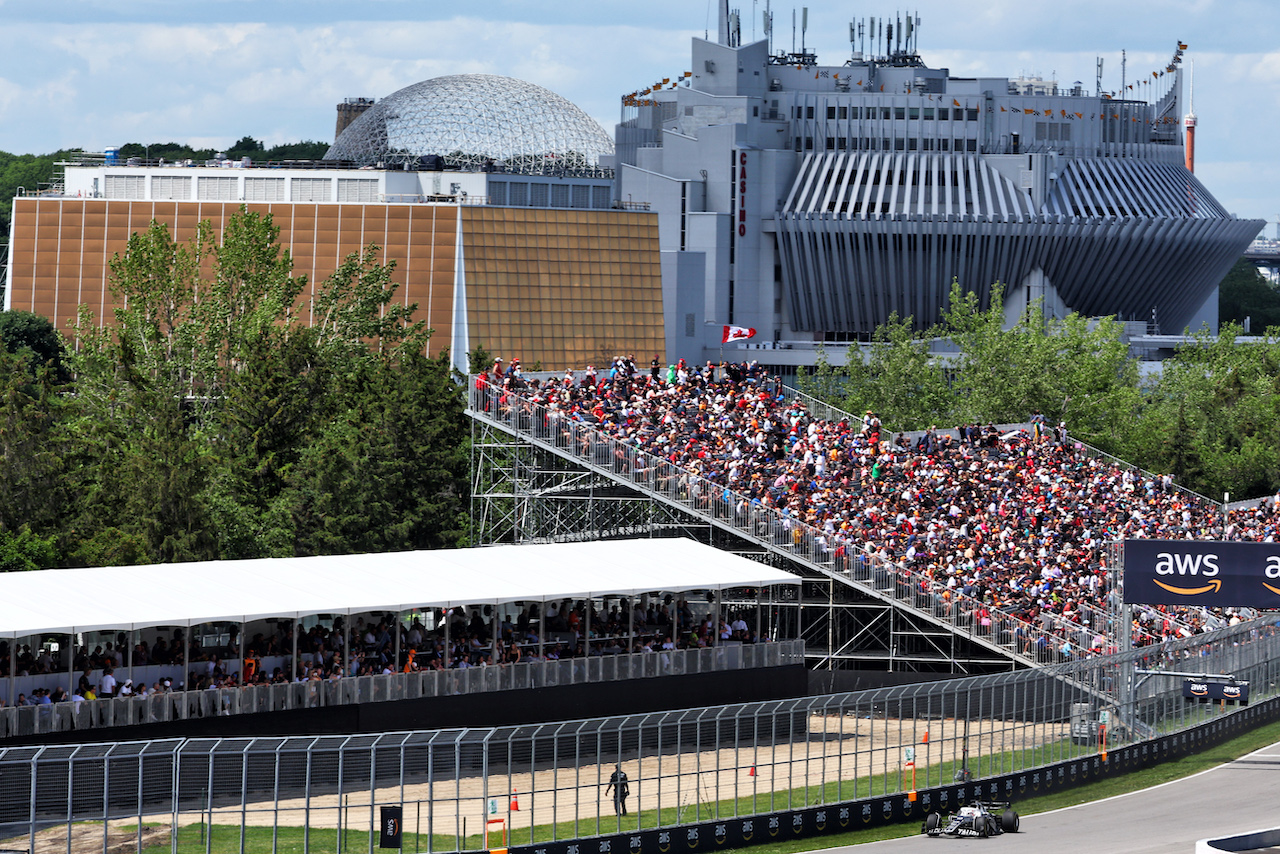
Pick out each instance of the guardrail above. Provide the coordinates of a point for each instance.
(251, 699)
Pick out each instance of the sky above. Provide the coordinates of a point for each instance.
(90, 74)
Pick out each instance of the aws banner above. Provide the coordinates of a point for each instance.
(1181, 572)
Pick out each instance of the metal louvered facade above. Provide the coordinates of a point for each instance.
(865, 235)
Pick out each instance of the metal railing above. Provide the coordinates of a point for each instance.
(18, 721)
(1060, 639)
(548, 781)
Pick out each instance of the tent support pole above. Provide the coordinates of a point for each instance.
(293, 663)
(448, 648)
(186, 669)
(396, 626)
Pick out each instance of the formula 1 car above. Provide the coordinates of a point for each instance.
(979, 819)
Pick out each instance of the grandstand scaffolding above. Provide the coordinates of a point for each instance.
(527, 489)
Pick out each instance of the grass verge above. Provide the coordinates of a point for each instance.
(1132, 782)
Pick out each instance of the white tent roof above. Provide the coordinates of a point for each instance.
(187, 594)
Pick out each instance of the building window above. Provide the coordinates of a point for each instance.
(899, 113)
(357, 189)
(913, 113)
(971, 114)
(808, 143)
(497, 192)
(538, 195)
(928, 114)
(944, 145)
(844, 112)
(912, 144)
(581, 197)
(808, 112)
(600, 197)
(831, 112)
(885, 113)
(971, 145)
(519, 194)
(899, 144)
(831, 143)
(264, 189)
(944, 115)
(855, 113)
(171, 187)
(311, 189)
(559, 195)
(124, 186)
(218, 189)
(755, 111)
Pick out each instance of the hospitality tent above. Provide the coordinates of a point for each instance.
(126, 598)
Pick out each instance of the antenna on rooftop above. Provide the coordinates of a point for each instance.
(804, 25)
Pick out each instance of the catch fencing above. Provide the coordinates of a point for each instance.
(547, 782)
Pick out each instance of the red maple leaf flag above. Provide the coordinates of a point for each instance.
(737, 333)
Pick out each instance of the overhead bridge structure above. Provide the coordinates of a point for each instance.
(539, 476)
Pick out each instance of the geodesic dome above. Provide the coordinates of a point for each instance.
(470, 119)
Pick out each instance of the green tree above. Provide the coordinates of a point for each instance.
(23, 550)
(32, 483)
(1245, 293)
(1212, 417)
(232, 411)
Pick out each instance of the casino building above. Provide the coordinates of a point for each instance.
(812, 201)
(493, 196)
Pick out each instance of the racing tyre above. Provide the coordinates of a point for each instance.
(1010, 821)
(980, 825)
(932, 822)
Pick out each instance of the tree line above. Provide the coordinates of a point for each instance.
(228, 412)
(1210, 416)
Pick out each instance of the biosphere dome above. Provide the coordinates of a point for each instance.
(470, 119)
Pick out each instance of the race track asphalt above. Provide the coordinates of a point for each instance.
(1238, 797)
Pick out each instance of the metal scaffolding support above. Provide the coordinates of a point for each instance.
(524, 493)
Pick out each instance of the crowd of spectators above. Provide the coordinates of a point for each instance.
(1015, 521)
(473, 638)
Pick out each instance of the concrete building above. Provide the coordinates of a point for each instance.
(811, 201)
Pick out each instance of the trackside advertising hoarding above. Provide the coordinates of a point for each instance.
(1182, 572)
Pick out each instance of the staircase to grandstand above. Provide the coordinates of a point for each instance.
(916, 609)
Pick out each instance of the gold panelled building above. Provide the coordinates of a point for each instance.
(563, 287)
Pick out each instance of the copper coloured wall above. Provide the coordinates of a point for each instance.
(560, 287)
(62, 248)
(563, 287)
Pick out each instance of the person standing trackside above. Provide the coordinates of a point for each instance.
(618, 783)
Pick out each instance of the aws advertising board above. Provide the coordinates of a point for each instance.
(1180, 572)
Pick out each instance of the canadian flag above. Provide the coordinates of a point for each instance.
(737, 333)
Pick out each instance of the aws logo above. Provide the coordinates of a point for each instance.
(1272, 571)
(1196, 566)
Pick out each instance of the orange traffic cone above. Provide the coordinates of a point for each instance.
(752, 772)
(515, 801)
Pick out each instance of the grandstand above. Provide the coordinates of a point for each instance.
(317, 639)
(968, 550)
